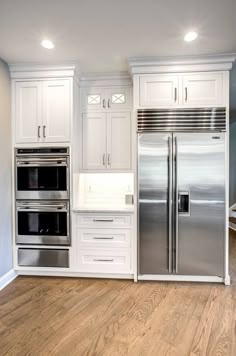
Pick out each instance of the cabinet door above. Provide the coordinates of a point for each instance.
(159, 90)
(28, 112)
(204, 89)
(119, 98)
(93, 99)
(56, 112)
(119, 141)
(94, 141)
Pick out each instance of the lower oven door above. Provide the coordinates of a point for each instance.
(42, 223)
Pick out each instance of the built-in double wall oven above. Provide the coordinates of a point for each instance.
(42, 182)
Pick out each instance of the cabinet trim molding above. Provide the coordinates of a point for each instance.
(182, 64)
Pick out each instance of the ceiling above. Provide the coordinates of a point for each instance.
(102, 34)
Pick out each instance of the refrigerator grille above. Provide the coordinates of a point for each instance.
(203, 119)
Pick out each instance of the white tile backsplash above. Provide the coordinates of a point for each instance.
(108, 189)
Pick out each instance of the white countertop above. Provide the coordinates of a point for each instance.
(104, 209)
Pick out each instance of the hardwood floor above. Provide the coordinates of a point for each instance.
(66, 316)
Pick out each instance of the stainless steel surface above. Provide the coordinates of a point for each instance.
(176, 220)
(181, 180)
(43, 206)
(103, 220)
(43, 257)
(201, 172)
(44, 131)
(39, 131)
(170, 193)
(153, 203)
(42, 157)
(152, 120)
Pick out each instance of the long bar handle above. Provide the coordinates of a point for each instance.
(170, 202)
(103, 260)
(104, 159)
(186, 94)
(103, 220)
(39, 127)
(175, 94)
(103, 238)
(44, 131)
(176, 207)
(109, 159)
(104, 103)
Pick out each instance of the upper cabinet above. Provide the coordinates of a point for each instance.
(106, 99)
(159, 90)
(190, 90)
(202, 89)
(42, 111)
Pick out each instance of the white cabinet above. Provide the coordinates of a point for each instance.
(106, 141)
(42, 111)
(28, 111)
(181, 90)
(159, 90)
(119, 140)
(106, 99)
(103, 243)
(203, 89)
(94, 141)
(56, 110)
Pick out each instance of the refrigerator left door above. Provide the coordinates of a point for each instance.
(154, 178)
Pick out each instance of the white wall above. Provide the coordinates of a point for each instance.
(232, 185)
(5, 171)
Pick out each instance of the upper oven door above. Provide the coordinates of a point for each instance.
(42, 177)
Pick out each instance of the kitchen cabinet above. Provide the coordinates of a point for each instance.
(103, 243)
(42, 111)
(185, 90)
(106, 141)
(159, 90)
(106, 99)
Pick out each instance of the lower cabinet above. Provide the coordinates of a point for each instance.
(103, 243)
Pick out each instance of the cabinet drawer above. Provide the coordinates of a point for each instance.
(103, 238)
(109, 261)
(106, 221)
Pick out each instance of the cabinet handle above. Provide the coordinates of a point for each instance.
(103, 220)
(44, 131)
(103, 260)
(104, 159)
(109, 103)
(109, 159)
(103, 238)
(39, 131)
(186, 94)
(175, 94)
(104, 103)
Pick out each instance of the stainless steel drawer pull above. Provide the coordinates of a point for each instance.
(44, 131)
(103, 220)
(104, 103)
(103, 260)
(103, 238)
(38, 131)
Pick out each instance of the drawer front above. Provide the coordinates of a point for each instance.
(106, 221)
(116, 238)
(43, 257)
(100, 261)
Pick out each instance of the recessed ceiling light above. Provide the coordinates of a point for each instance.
(47, 44)
(190, 36)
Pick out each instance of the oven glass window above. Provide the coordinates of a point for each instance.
(41, 178)
(42, 223)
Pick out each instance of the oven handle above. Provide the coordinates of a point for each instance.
(42, 208)
(30, 163)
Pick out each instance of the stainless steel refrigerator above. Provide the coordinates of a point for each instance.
(181, 191)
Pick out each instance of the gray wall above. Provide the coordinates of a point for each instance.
(232, 181)
(5, 171)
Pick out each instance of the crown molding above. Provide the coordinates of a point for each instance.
(181, 64)
(45, 70)
(105, 79)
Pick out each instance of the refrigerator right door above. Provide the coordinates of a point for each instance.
(200, 238)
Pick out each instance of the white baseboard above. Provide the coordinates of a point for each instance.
(7, 278)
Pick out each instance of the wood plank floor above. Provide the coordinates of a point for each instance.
(66, 316)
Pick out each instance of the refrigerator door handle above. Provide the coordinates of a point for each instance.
(176, 205)
(170, 193)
